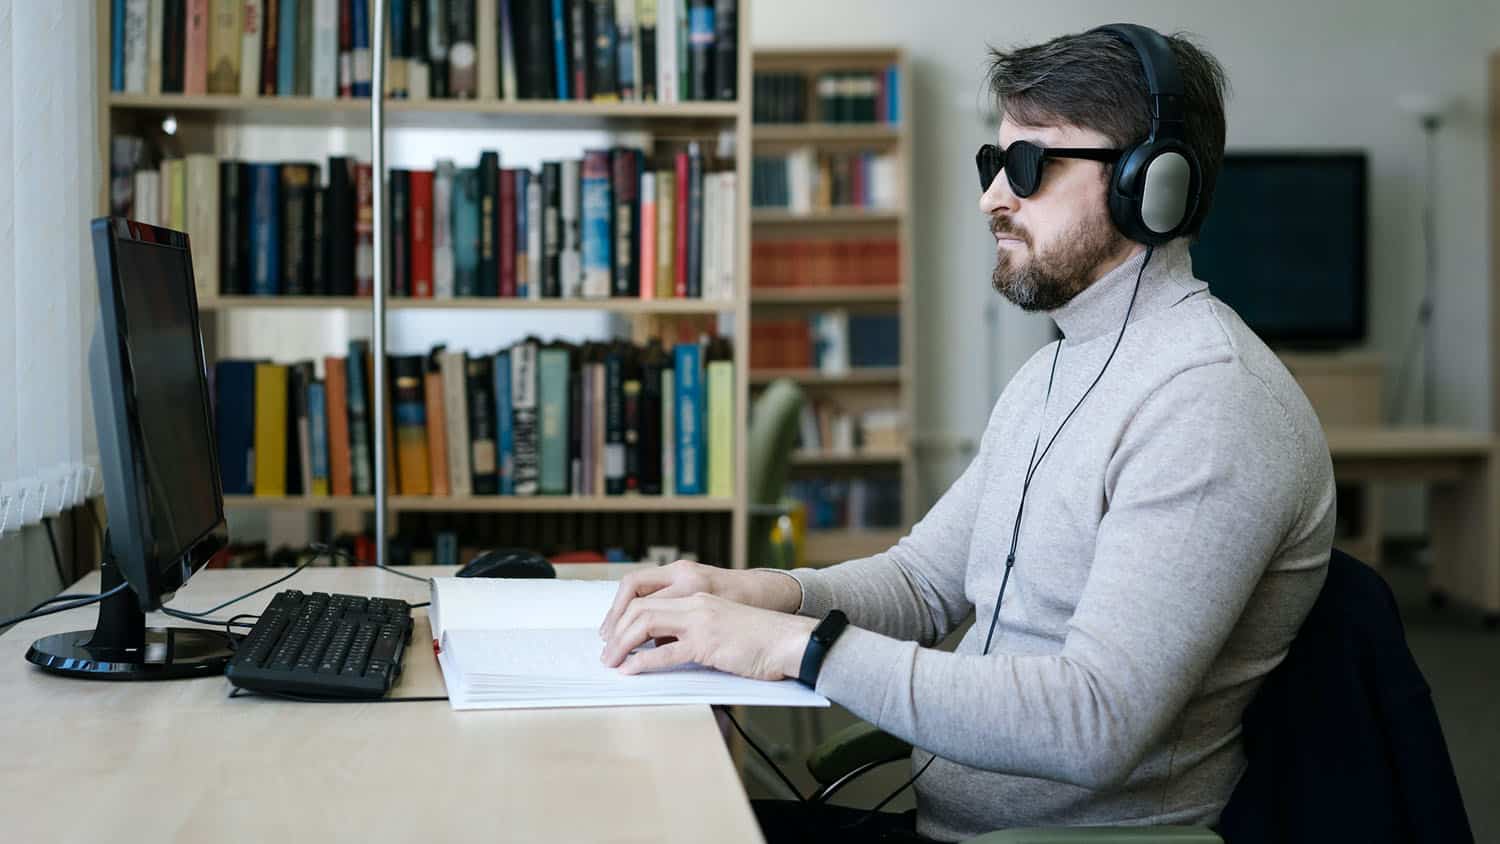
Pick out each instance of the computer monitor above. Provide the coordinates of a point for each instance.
(156, 446)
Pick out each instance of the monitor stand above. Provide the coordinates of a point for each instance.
(122, 647)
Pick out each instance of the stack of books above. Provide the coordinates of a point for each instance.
(600, 50)
(847, 96)
(858, 503)
(827, 341)
(805, 180)
(823, 262)
(533, 419)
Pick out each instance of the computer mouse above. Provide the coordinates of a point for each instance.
(508, 562)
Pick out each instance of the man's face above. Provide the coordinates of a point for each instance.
(1053, 244)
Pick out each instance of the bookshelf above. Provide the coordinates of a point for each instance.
(858, 389)
(205, 124)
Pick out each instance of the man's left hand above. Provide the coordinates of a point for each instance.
(711, 631)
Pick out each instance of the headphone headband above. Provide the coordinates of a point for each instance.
(1162, 80)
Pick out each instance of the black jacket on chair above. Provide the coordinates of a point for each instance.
(1342, 741)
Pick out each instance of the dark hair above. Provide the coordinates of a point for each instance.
(1094, 80)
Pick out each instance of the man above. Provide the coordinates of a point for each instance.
(1177, 520)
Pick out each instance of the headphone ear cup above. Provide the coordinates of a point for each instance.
(1125, 195)
(1154, 194)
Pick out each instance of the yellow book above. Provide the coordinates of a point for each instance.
(666, 234)
(720, 378)
(270, 430)
(176, 173)
(224, 41)
(202, 222)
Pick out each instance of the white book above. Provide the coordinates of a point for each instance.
(487, 44)
(137, 51)
(153, 46)
(147, 203)
(456, 413)
(509, 644)
(534, 236)
(325, 58)
(666, 51)
(442, 229)
(203, 222)
(253, 22)
(570, 259)
(710, 266)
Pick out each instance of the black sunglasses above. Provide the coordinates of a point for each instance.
(1022, 163)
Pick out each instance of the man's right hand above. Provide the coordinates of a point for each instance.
(757, 588)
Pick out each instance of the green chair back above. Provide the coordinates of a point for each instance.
(768, 459)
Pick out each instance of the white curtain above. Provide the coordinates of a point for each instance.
(50, 176)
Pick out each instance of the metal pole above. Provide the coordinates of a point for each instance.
(377, 157)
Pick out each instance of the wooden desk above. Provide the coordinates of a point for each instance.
(177, 761)
(1463, 499)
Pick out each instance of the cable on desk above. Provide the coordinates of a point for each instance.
(71, 596)
(82, 602)
(238, 692)
(421, 605)
(784, 778)
(211, 622)
(184, 613)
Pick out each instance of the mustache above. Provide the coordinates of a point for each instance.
(1004, 225)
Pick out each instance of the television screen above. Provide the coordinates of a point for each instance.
(1284, 245)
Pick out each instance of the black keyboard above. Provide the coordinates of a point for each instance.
(322, 645)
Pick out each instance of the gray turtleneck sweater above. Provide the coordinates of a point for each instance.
(1173, 540)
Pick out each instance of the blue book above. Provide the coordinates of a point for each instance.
(559, 49)
(265, 229)
(688, 383)
(360, 37)
(598, 242)
(504, 430)
(286, 50)
(892, 95)
(400, 49)
(445, 548)
(464, 222)
(523, 182)
(317, 422)
(117, 46)
(234, 424)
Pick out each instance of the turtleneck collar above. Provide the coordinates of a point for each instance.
(1101, 306)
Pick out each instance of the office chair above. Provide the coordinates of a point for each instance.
(772, 436)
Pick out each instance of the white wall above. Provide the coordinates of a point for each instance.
(1303, 74)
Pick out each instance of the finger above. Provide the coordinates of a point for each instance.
(656, 659)
(647, 625)
(633, 586)
(662, 599)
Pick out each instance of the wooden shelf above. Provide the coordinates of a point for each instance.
(438, 113)
(838, 133)
(838, 545)
(812, 377)
(490, 504)
(776, 216)
(858, 457)
(848, 295)
(469, 303)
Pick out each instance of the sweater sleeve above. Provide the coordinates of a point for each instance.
(1203, 488)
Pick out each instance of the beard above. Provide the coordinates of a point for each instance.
(1048, 280)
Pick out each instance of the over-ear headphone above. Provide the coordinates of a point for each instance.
(1153, 196)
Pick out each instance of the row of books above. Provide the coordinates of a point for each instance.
(825, 262)
(804, 180)
(831, 342)
(850, 96)
(858, 503)
(605, 226)
(533, 419)
(826, 427)
(601, 50)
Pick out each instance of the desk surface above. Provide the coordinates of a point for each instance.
(179, 761)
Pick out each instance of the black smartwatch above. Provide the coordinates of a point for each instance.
(823, 636)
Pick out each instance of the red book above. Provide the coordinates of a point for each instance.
(680, 219)
(648, 235)
(195, 59)
(507, 254)
(364, 229)
(420, 187)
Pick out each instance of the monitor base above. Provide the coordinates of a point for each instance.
(167, 653)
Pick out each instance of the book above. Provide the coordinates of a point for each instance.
(233, 229)
(420, 234)
(297, 215)
(570, 255)
(346, 48)
(666, 233)
(701, 28)
(252, 22)
(442, 229)
(222, 59)
(487, 280)
(667, 74)
(202, 195)
(688, 420)
(392, 467)
(318, 246)
(339, 218)
(720, 415)
(625, 49)
(265, 229)
(398, 233)
(117, 23)
(523, 391)
(576, 415)
(335, 378)
(654, 363)
(505, 233)
(505, 440)
(533, 230)
(559, 31)
(554, 367)
(614, 421)
(646, 50)
(362, 469)
(437, 48)
(579, 41)
(551, 230)
(418, 70)
(147, 200)
(154, 29)
(682, 181)
(522, 233)
(463, 77)
(360, 55)
(726, 49)
(234, 424)
(173, 46)
(479, 375)
(625, 188)
(597, 210)
(466, 232)
(410, 399)
(304, 48)
(437, 425)
(694, 223)
(603, 82)
(175, 173)
(364, 229)
(137, 26)
(669, 427)
(287, 21)
(631, 418)
(646, 283)
(507, 643)
(456, 414)
(270, 430)
(299, 439)
(324, 72)
(317, 420)
(506, 50)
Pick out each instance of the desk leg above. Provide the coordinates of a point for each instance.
(1466, 537)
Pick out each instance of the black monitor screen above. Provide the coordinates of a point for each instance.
(171, 405)
(1284, 245)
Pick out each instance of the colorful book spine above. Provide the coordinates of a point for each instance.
(508, 39)
(437, 429)
(553, 368)
(234, 424)
(598, 204)
(456, 414)
(325, 49)
(270, 430)
(466, 232)
(560, 48)
(533, 229)
(626, 173)
(361, 468)
(604, 86)
(646, 50)
(647, 281)
(462, 70)
(680, 251)
(505, 255)
(481, 404)
(252, 27)
(265, 229)
(726, 49)
(614, 422)
(286, 48)
(570, 254)
(442, 229)
(224, 47)
(360, 53)
(695, 223)
(336, 380)
(578, 30)
(410, 399)
(522, 234)
(364, 229)
(625, 49)
(296, 228)
(487, 282)
(505, 423)
(523, 391)
(701, 28)
(233, 249)
(720, 413)
(551, 246)
(630, 406)
(137, 52)
(689, 457)
(421, 237)
(317, 420)
(666, 234)
(398, 233)
(653, 364)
